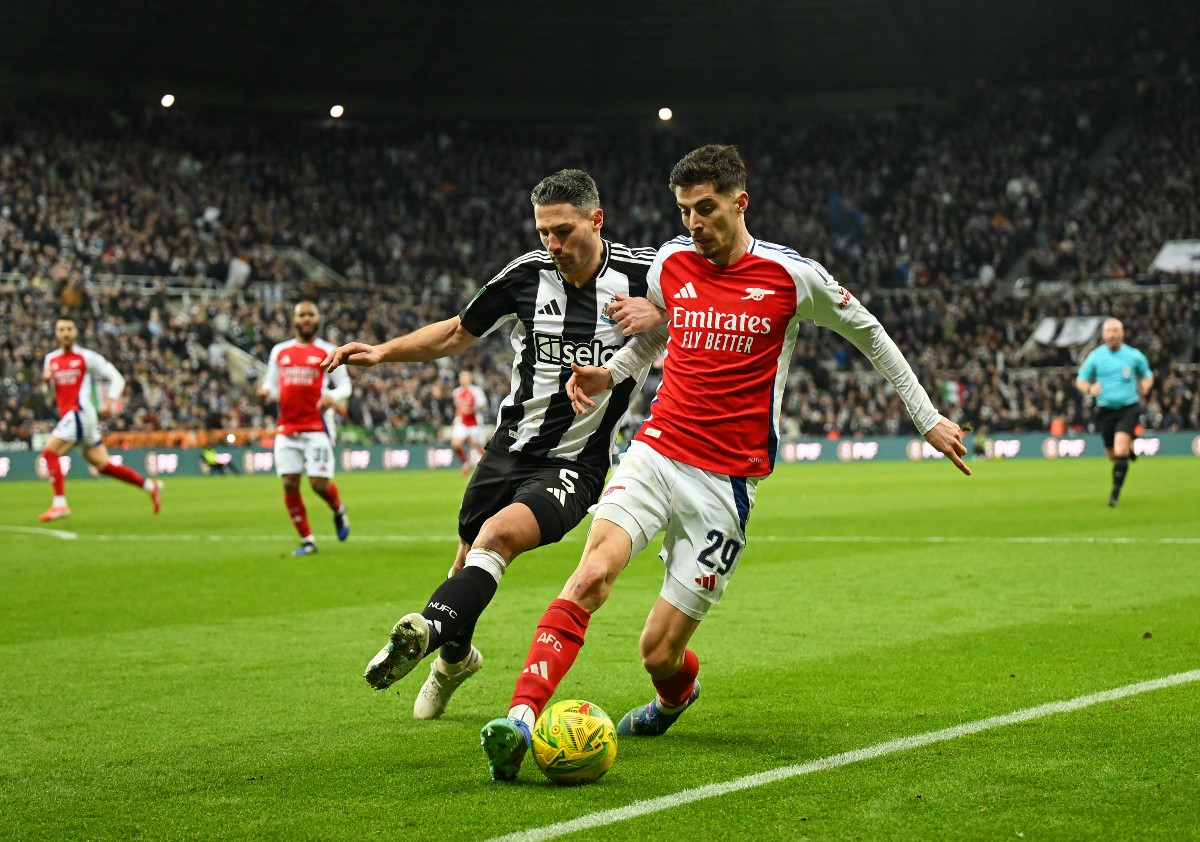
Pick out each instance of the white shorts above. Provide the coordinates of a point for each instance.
(304, 453)
(472, 435)
(703, 515)
(79, 427)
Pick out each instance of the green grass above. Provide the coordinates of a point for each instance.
(160, 683)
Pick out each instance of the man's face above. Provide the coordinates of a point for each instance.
(305, 319)
(66, 333)
(571, 236)
(1113, 334)
(711, 218)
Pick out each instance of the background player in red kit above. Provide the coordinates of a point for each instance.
(734, 306)
(470, 403)
(71, 372)
(308, 399)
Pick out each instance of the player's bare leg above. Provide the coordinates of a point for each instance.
(673, 669)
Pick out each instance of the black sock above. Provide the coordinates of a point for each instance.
(454, 651)
(457, 604)
(1120, 468)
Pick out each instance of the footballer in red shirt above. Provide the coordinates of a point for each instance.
(734, 307)
(309, 401)
(86, 386)
(470, 403)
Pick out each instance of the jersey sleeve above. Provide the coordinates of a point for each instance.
(493, 305)
(654, 291)
(1143, 366)
(637, 354)
(1087, 371)
(102, 369)
(830, 305)
(337, 384)
(270, 380)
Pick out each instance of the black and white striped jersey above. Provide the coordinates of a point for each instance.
(556, 325)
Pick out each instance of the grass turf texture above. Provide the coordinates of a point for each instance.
(182, 676)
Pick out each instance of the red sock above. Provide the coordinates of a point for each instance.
(676, 689)
(124, 474)
(297, 512)
(558, 640)
(330, 495)
(54, 469)
(462, 455)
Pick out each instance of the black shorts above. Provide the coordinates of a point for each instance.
(1123, 419)
(558, 492)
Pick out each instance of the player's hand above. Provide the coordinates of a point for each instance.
(587, 380)
(353, 353)
(108, 408)
(1095, 388)
(324, 402)
(946, 438)
(635, 315)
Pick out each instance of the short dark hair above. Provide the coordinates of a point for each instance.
(570, 187)
(715, 164)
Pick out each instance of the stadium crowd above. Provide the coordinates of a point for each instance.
(925, 213)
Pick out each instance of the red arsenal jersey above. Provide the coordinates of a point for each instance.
(294, 374)
(731, 333)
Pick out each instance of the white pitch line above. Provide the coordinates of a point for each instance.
(687, 796)
(785, 539)
(61, 534)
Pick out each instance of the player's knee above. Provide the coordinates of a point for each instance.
(501, 535)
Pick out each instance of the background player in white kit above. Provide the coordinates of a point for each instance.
(470, 403)
(734, 306)
(304, 436)
(72, 373)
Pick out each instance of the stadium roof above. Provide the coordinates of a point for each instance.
(519, 57)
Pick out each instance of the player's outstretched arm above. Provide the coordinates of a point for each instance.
(946, 438)
(432, 342)
(636, 315)
(587, 380)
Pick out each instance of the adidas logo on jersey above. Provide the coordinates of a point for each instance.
(551, 309)
(707, 582)
(559, 495)
(687, 291)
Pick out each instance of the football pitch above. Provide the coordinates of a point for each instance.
(904, 653)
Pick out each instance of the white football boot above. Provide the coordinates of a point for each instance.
(443, 680)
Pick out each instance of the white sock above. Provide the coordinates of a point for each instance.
(488, 560)
(524, 713)
(59, 501)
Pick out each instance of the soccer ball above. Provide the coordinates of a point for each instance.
(574, 742)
